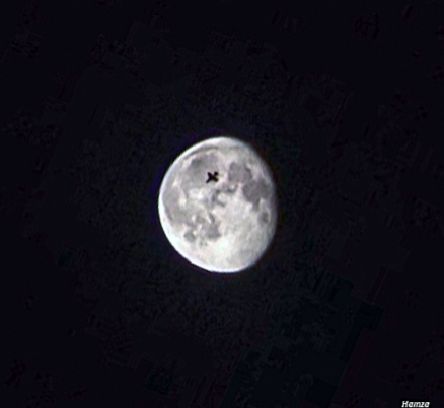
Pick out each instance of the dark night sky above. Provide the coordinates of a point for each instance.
(344, 101)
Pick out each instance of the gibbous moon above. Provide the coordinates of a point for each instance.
(217, 205)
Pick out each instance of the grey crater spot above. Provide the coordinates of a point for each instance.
(264, 217)
(200, 220)
(255, 191)
(230, 188)
(215, 200)
(239, 173)
(197, 163)
(212, 231)
(190, 236)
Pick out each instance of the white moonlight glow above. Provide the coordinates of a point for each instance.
(224, 221)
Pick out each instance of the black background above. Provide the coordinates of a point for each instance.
(342, 99)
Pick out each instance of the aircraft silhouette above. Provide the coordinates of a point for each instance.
(212, 176)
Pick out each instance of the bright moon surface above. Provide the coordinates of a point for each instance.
(217, 205)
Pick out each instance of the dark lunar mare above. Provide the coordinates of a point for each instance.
(255, 190)
(239, 173)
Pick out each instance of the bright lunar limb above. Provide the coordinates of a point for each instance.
(217, 205)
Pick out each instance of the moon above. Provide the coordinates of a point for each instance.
(217, 205)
